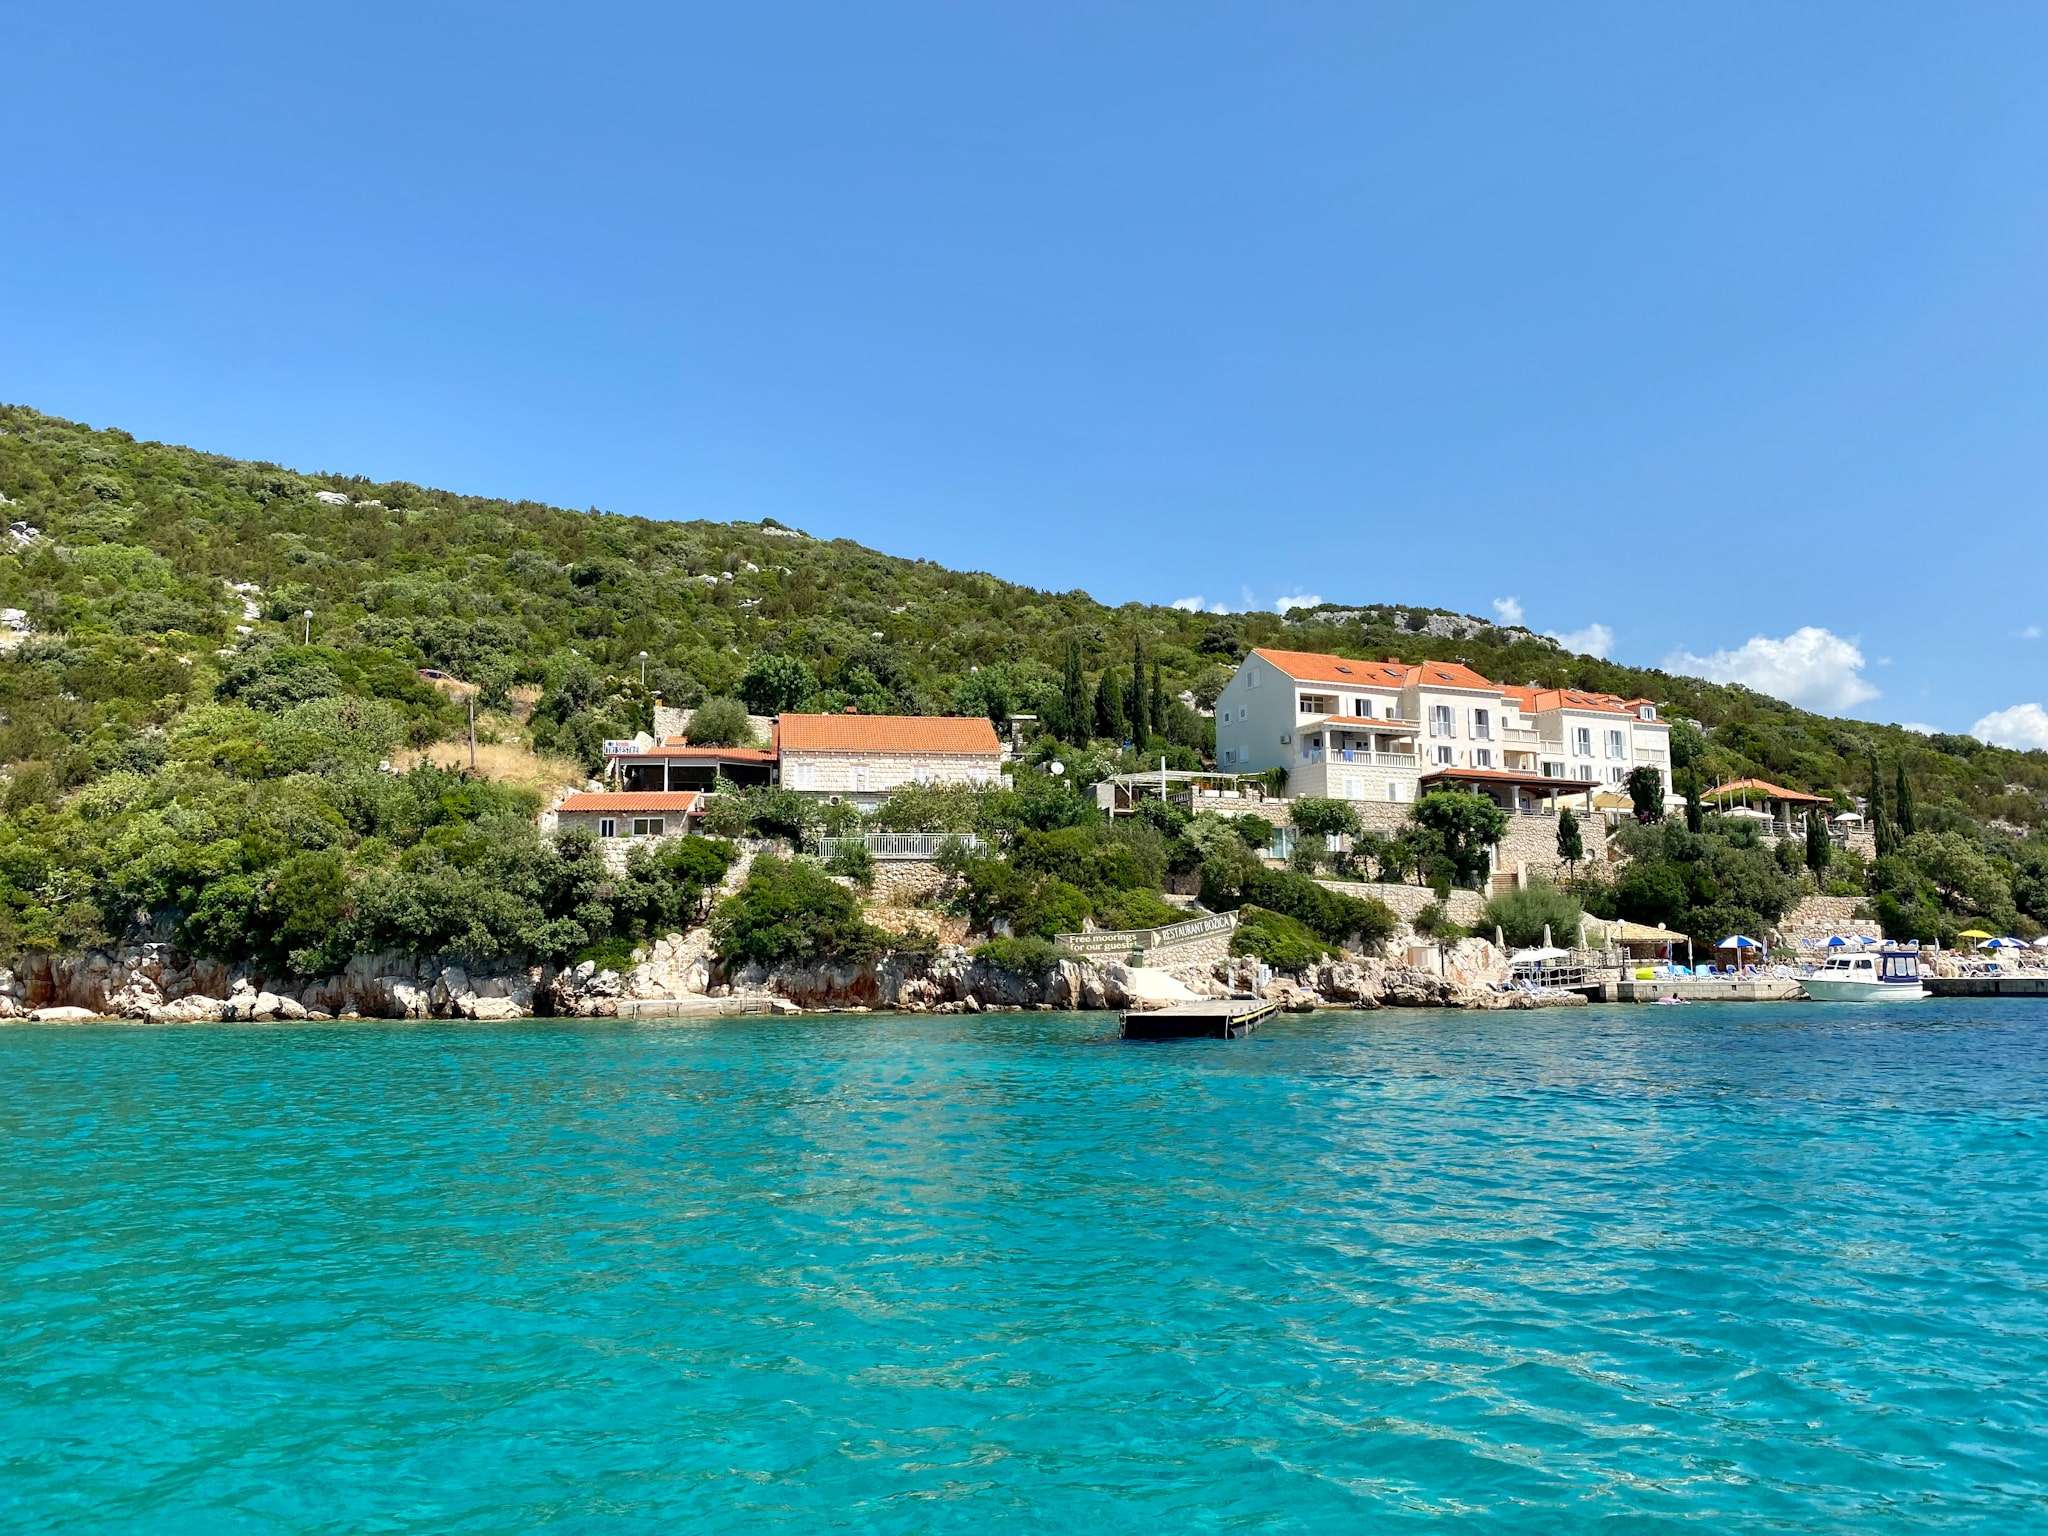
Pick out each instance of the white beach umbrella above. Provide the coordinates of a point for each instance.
(1535, 956)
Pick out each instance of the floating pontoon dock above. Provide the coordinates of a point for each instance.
(1224, 1019)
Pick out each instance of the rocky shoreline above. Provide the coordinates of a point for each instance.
(157, 983)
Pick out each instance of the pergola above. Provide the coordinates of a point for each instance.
(1514, 789)
(1778, 802)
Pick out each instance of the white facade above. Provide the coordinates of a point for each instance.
(1344, 737)
(1358, 730)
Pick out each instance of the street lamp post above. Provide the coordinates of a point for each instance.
(309, 626)
(643, 669)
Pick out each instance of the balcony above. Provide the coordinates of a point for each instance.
(1654, 756)
(1521, 736)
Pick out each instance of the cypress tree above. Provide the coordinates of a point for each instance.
(1158, 702)
(1074, 702)
(1695, 818)
(1135, 699)
(1902, 801)
(1571, 845)
(1109, 708)
(1880, 821)
(1819, 852)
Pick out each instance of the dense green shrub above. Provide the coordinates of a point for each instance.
(1522, 915)
(1285, 943)
(720, 722)
(1031, 957)
(851, 860)
(790, 912)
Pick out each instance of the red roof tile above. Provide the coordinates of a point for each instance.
(944, 735)
(678, 750)
(682, 800)
(1315, 667)
(1765, 788)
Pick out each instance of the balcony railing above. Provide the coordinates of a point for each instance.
(900, 845)
(1521, 735)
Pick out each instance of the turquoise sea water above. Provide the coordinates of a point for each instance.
(1770, 1268)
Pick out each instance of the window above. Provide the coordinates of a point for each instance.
(1582, 740)
(1440, 756)
(1240, 712)
(1230, 754)
(1482, 757)
(648, 826)
(606, 827)
(1617, 744)
(1362, 708)
(1251, 677)
(1647, 712)
(1393, 790)
(1552, 768)
(1286, 737)
(1441, 721)
(1616, 775)
(1482, 725)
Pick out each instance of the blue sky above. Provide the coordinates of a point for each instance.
(1715, 334)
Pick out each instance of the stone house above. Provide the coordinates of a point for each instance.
(861, 758)
(622, 820)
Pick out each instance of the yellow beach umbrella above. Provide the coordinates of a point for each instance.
(1973, 933)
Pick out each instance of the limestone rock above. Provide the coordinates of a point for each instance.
(62, 1015)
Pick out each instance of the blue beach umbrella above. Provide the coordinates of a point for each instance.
(1738, 941)
(1838, 942)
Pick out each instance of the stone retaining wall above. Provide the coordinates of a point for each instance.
(1408, 900)
(1819, 917)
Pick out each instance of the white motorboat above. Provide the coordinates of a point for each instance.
(1889, 976)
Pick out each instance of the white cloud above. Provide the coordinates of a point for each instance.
(1198, 604)
(1508, 609)
(1296, 600)
(1811, 667)
(1919, 727)
(2024, 726)
(1593, 640)
(2030, 632)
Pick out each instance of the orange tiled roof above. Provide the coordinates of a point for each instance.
(1765, 788)
(947, 735)
(683, 800)
(1535, 700)
(1343, 671)
(679, 749)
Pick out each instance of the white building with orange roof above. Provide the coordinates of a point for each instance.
(1597, 738)
(1339, 727)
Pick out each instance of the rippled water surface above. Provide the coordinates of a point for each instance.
(1776, 1268)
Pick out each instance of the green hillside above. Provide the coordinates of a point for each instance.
(140, 700)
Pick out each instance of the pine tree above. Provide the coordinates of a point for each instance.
(1571, 845)
(1074, 705)
(1902, 801)
(1109, 707)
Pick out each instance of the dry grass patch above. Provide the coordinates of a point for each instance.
(506, 762)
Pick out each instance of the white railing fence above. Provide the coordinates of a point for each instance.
(900, 845)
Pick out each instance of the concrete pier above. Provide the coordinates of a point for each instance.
(1986, 986)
